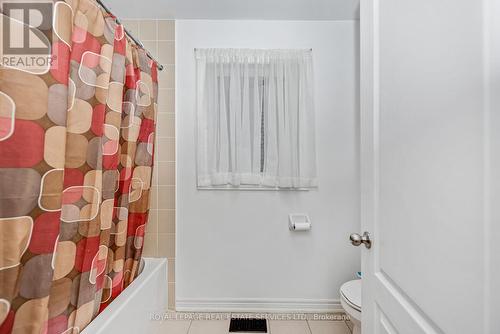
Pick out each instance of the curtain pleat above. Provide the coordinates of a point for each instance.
(76, 159)
(255, 116)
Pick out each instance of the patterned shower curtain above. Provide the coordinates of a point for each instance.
(76, 157)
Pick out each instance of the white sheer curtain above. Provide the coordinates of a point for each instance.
(255, 116)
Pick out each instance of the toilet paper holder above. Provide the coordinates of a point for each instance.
(299, 222)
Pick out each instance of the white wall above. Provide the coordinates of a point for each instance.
(237, 10)
(234, 249)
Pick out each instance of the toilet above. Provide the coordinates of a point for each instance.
(350, 299)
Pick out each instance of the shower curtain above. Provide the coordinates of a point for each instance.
(76, 157)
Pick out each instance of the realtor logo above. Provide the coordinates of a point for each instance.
(26, 27)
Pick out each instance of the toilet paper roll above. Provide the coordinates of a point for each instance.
(301, 226)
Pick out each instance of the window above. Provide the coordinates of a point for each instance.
(255, 116)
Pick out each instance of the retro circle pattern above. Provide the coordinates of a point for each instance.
(76, 159)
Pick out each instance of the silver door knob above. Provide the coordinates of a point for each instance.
(357, 239)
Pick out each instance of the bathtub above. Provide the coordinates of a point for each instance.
(131, 311)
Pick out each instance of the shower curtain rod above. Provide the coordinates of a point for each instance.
(129, 34)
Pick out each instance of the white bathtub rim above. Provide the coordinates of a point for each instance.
(123, 299)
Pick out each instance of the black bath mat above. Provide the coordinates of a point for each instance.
(248, 326)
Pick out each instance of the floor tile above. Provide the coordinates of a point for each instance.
(289, 327)
(172, 327)
(209, 327)
(349, 324)
(328, 327)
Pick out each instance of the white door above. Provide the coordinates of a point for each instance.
(430, 134)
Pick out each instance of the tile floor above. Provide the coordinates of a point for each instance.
(273, 327)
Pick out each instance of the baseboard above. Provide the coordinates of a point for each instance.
(258, 305)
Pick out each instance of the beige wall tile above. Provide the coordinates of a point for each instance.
(166, 173)
(166, 197)
(166, 52)
(147, 30)
(158, 37)
(167, 77)
(166, 149)
(152, 225)
(154, 179)
(171, 296)
(151, 47)
(153, 199)
(171, 270)
(150, 245)
(132, 26)
(166, 100)
(166, 125)
(166, 245)
(166, 221)
(166, 30)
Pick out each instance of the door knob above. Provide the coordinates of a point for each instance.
(357, 239)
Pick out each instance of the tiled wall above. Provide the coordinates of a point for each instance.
(158, 37)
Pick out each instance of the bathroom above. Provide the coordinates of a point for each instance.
(142, 182)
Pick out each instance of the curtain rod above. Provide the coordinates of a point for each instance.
(129, 34)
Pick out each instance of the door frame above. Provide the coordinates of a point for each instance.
(369, 37)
